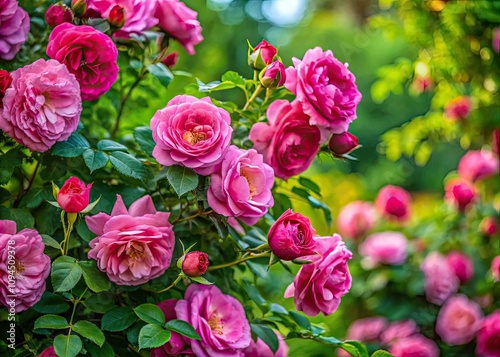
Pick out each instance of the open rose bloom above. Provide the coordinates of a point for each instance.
(14, 28)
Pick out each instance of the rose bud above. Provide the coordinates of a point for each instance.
(57, 14)
(460, 193)
(461, 264)
(5, 81)
(79, 7)
(48, 352)
(341, 144)
(195, 264)
(458, 108)
(262, 55)
(393, 202)
(116, 16)
(489, 226)
(171, 60)
(273, 75)
(495, 268)
(74, 197)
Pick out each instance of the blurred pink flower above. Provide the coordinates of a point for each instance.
(495, 268)
(367, 330)
(458, 108)
(488, 336)
(489, 226)
(385, 248)
(440, 279)
(397, 330)
(356, 219)
(461, 264)
(393, 202)
(460, 193)
(14, 28)
(416, 345)
(260, 349)
(478, 165)
(176, 346)
(495, 40)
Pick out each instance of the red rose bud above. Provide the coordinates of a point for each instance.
(262, 55)
(273, 75)
(74, 197)
(116, 16)
(79, 7)
(171, 60)
(57, 14)
(341, 144)
(460, 193)
(5, 81)
(489, 226)
(195, 264)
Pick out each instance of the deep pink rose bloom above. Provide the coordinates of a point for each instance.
(180, 22)
(56, 14)
(356, 219)
(191, 132)
(318, 286)
(14, 28)
(488, 336)
(367, 329)
(478, 165)
(21, 258)
(291, 236)
(495, 268)
(393, 202)
(461, 264)
(48, 352)
(5, 82)
(325, 88)
(260, 349)
(460, 193)
(385, 248)
(273, 75)
(440, 279)
(242, 188)
(458, 108)
(416, 345)
(288, 143)
(397, 330)
(341, 144)
(219, 319)
(495, 40)
(132, 246)
(89, 54)
(74, 196)
(42, 105)
(458, 320)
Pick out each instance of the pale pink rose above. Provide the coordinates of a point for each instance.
(367, 330)
(397, 330)
(458, 108)
(385, 248)
(458, 320)
(23, 267)
(89, 54)
(416, 345)
(242, 188)
(132, 246)
(180, 22)
(495, 268)
(488, 336)
(42, 105)
(260, 349)
(14, 28)
(318, 286)
(440, 280)
(460, 193)
(288, 142)
(478, 165)
(219, 319)
(393, 202)
(356, 219)
(191, 132)
(461, 264)
(326, 89)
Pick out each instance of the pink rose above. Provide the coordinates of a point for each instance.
(397, 330)
(393, 202)
(489, 226)
(342, 144)
(356, 219)
(14, 28)
(5, 82)
(42, 106)
(260, 349)
(74, 196)
(48, 352)
(495, 268)
(56, 14)
(461, 264)
(262, 55)
(367, 329)
(242, 188)
(219, 319)
(191, 132)
(133, 246)
(195, 264)
(416, 345)
(288, 143)
(325, 88)
(89, 54)
(23, 267)
(291, 236)
(385, 248)
(495, 39)
(458, 108)
(478, 165)
(318, 286)
(440, 280)
(273, 75)
(458, 320)
(180, 22)
(488, 336)
(460, 193)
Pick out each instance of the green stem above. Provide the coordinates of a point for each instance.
(75, 304)
(179, 277)
(254, 95)
(241, 260)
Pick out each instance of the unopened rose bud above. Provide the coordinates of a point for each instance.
(489, 226)
(460, 193)
(79, 7)
(5, 81)
(262, 55)
(116, 16)
(74, 196)
(171, 60)
(341, 144)
(273, 75)
(195, 264)
(57, 14)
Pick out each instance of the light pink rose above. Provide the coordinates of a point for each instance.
(397, 330)
(393, 202)
(23, 267)
(488, 336)
(367, 329)
(440, 279)
(180, 22)
(495, 268)
(478, 165)
(385, 248)
(288, 143)
(318, 286)
(89, 54)
(42, 105)
(458, 320)
(132, 246)
(260, 349)
(458, 108)
(416, 345)
(242, 188)
(460, 193)
(191, 132)
(461, 264)
(356, 219)
(326, 89)
(14, 28)
(219, 319)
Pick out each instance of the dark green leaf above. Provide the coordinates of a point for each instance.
(73, 147)
(50, 242)
(381, 353)
(105, 351)
(201, 280)
(253, 293)
(67, 346)
(118, 319)
(36, 196)
(21, 216)
(127, 165)
(150, 313)
(277, 308)
(89, 330)
(110, 145)
(301, 192)
(182, 179)
(51, 322)
(100, 303)
(95, 279)
(51, 303)
(267, 335)
(323, 206)
(220, 224)
(355, 348)
(95, 160)
(330, 340)
(160, 71)
(301, 320)
(311, 185)
(83, 231)
(65, 273)
(183, 328)
(144, 138)
(152, 336)
(8, 162)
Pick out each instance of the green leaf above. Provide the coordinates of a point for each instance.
(91, 206)
(144, 137)
(232, 76)
(118, 319)
(54, 322)
(127, 165)
(89, 330)
(73, 147)
(21, 216)
(50, 242)
(160, 71)
(95, 160)
(329, 340)
(133, 332)
(105, 351)
(67, 346)
(355, 348)
(110, 145)
(8, 162)
(300, 319)
(220, 224)
(323, 206)
(253, 293)
(267, 335)
(183, 328)
(95, 279)
(276, 308)
(381, 353)
(100, 302)
(150, 313)
(214, 86)
(152, 336)
(51, 303)
(83, 231)
(36, 196)
(311, 185)
(182, 179)
(200, 280)
(65, 273)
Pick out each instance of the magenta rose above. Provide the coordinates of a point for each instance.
(260, 349)
(132, 246)
(489, 226)
(273, 75)
(356, 219)
(288, 143)
(440, 279)
(219, 320)
(460, 193)
(180, 22)
(42, 105)
(367, 329)
(56, 14)
(262, 55)
(385, 248)
(397, 330)
(462, 265)
(14, 28)
(242, 188)
(495, 268)
(342, 144)
(394, 203)
(478, 165)
(48, 352)
(325, 88)
(488, 336)
(5, 82)
(458, 108)
(23, 267)
(191, 132)
(291, 236)
(318, 286)
(89, 54)
(74, 196)
(458, 320)
(416, 345)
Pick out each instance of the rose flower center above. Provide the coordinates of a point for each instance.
(19, 267)
(215, 324)
(135, 252)
(251, 186)
(193, 137)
